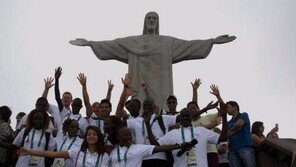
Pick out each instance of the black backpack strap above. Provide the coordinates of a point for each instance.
(26, 133)
(47, 137)
(48, 161)
(161, 124)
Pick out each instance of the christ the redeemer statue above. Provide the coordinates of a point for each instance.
(150, 56)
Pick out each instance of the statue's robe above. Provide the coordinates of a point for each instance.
(150, 59)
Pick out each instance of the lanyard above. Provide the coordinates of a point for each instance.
(99, 124)
(84, 157)
(118, 155)
(69, 145)
(32, 139)
(153, 121)
(182, 133)
(143, 129)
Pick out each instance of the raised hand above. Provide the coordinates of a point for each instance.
(211, 105)
(80, 42)
(110, 85)
(58, 72)
(126, 80)
(276, 128)
(221, 112)
(195, 85)
(82, 79)
(215, 90)
(223, 39)
(48, 82)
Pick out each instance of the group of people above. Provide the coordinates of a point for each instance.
(139, 134)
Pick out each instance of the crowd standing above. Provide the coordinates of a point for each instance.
(139, 134)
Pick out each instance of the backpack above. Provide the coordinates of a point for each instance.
(47, 161)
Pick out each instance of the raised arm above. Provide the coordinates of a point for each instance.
(57, 75)
(195, 85)
(124, 95)
(216, 92)
(273, 132)
(48, 83)
(50, 154)
(110, 88)
(82, 79)
(223, 135)
(210, 106)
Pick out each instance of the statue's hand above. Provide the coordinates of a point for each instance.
(80, 42)
(223, 39)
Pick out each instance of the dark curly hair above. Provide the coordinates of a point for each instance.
(66, 125)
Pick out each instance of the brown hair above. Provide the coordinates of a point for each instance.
(99, 144)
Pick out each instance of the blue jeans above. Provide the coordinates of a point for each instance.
(243, 157)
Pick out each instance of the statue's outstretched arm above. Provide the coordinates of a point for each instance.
(80, 42)
(223, 39)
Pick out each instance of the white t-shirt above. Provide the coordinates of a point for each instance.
(91, 159)
(64, 113)
(201, 134)
(137, 125)
(38, 141)
(134, 155)
(65, 143)
(95, 121)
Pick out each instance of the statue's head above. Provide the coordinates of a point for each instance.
(151, 23)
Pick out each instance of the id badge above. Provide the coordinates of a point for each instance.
(59, 163)
(191, 159)
(34, 160)
(133, 136)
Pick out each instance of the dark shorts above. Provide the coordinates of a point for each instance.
(213, 160)
(154, 163)
(225, 164)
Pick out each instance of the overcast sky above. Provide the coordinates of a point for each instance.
(257, 69)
